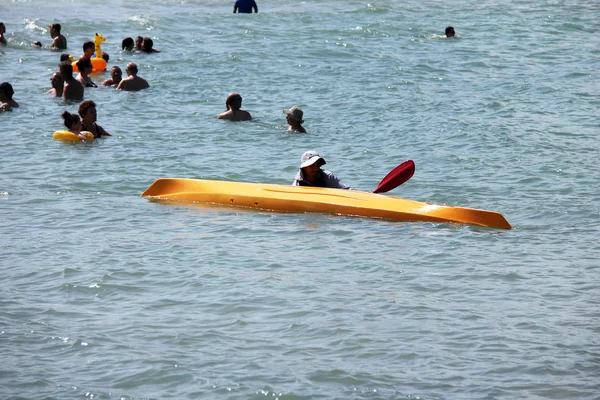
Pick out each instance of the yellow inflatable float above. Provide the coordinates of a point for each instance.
(71, 137)
(98, 63)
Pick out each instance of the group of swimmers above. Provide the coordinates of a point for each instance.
(84, 120)
(233, 105)
(66, 86)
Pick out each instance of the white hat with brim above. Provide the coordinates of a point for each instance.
(309, 158)
(295, 113)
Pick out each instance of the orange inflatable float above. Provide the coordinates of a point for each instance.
(98, 63)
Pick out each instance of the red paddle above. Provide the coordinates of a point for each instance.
(396, 177)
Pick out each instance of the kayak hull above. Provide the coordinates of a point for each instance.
(319, 200)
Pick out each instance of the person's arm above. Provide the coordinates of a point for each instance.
(255, 7)
(235, 7)
(297, 179)
(101, 131)
(332, 181)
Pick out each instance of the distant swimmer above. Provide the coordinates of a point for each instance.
(127, 44)
(294, 119)
(138, 43)
(73, 88)
(73, 124)
(87, 111)
(132, 83)
(234, 113)
(147, 44)
(245, 6)
(450, 32)
(84, 65)
(58, 84)
(116, 75)
(311, 174)
(88, 50)
(6, 97)
(59, 42)
(2, 32)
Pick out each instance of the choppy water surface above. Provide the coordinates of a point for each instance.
(104, 294)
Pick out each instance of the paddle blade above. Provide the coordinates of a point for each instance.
(396, 177)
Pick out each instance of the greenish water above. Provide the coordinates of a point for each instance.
(104, 294)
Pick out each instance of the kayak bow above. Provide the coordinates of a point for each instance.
(320, 200)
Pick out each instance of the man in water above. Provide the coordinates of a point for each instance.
(88, 50)
(245, 6)
(6, 97)
(59, 42)
(115, 77)
(311, 173)
(234, 113)
(73, 89)
(57, 85)
(132, 83)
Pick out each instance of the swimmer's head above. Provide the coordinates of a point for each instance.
(66, 70)
(232, 99)
(71, 120)
(84, 64)
(147, 44)
(127, 44)
(132, 68)
(56, 80)
(7, 90)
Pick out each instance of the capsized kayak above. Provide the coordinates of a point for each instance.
(284, 198)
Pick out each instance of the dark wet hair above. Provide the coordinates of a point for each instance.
(105, 56)
(450, 31)
(85, 106)
(56, 27)
(66, 70)
(65, 57)
(70, 119)
(147, 45)
(127, 42)
(231, 98)
(83, 63)
(88, 45)
(7, 89)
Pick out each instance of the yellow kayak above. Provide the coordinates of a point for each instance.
(319, 200)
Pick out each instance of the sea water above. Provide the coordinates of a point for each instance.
(104, 294)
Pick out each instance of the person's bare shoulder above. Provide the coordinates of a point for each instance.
(225, 115)
(246, 115)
